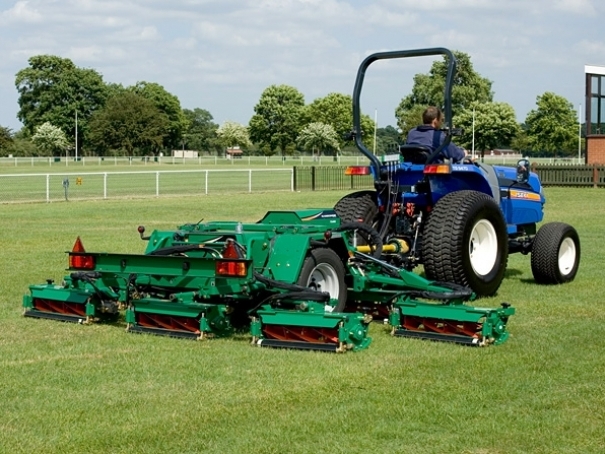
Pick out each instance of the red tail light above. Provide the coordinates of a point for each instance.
(78, 258)
(231, 268)
(357, 170)
(438, 168)
(81, 262)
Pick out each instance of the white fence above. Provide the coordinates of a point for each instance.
(50, 187)
(202, 161)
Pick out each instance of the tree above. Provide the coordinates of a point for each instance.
(553, 126)
(232, 134)
(387, 140)
(201, 131)
(336, 109)
(278, 117)
(411, 118)
(21, 144)
(50, 140)
(521, 142)
(128, 122)
(318, 138)
(51, 89)
(427, 90)
(170, 105)
(495, 125)
(6, 140)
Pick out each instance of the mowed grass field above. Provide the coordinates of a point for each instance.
(140, 184)
(67, 388)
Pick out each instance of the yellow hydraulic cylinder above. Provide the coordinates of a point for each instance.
(393, 247)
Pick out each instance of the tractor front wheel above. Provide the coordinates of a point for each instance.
(465, 242)
(555, 254)
(323, 271)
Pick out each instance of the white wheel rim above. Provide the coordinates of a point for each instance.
(324, 278)
(567, 256)
(483, 247)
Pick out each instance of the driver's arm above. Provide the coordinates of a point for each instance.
(456, 154)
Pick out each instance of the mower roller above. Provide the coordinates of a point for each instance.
(295, 279)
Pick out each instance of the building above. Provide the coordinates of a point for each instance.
(185, 153)
(595, 114)
(234, 153)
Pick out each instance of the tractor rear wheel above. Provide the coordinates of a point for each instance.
(323, 271)
(555, 253)
(465, 242)
(358, 206)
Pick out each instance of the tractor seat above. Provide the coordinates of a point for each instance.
(416, 154)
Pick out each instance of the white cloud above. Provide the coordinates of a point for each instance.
(582, 7)
(221, 54)
(21, 12)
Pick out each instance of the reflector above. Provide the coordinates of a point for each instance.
(78, 246)
(77, 259)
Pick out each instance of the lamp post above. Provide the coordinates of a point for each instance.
(473, 145)
(579, 134)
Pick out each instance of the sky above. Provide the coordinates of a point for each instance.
(220, 55)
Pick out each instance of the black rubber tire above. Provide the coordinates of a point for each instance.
(327, 263)
(447, 241)
(358, 206)
(545, 251)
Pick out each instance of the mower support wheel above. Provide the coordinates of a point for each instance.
(323, 271)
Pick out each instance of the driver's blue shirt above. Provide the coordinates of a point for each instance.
(425, 135)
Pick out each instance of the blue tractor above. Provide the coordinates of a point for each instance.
(460, 221)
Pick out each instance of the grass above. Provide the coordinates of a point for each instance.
(68, 388)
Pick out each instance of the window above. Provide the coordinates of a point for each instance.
(597, 104)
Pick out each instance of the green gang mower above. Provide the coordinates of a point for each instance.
(294, 279)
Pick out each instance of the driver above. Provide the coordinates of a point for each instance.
(429, 135)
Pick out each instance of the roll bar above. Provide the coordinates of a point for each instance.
(447, 95)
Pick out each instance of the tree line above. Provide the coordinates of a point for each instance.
(145, 119)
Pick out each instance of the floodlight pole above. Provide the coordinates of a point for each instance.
(579, 134)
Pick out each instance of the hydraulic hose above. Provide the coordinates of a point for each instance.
(372, 235)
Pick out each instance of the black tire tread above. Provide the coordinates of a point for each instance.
(358, 206)
(443, 244)
(545, 253)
